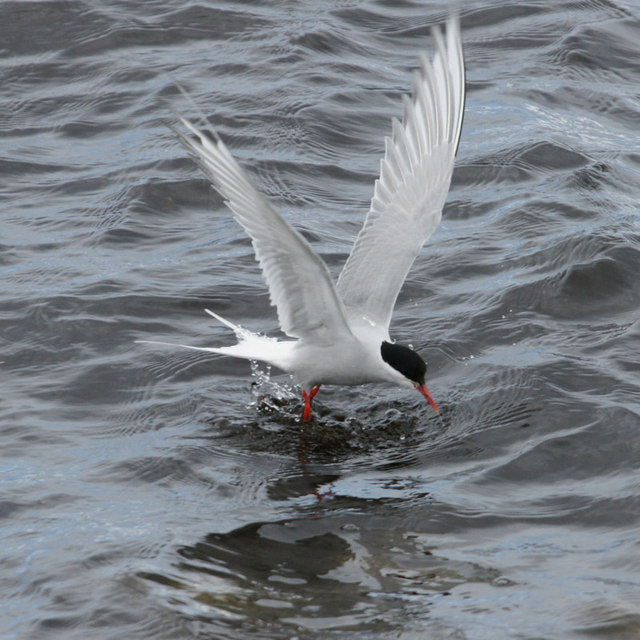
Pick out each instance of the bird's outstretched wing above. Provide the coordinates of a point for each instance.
(415, 174)
(299, 282)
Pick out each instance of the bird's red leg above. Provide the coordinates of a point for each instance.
(306, 415)
(308, 397)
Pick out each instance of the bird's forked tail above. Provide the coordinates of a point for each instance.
(250, 346)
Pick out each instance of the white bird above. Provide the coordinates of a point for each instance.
(340, 332)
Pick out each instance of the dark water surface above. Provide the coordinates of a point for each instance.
(147, 493)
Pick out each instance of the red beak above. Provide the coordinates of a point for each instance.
(422, 388)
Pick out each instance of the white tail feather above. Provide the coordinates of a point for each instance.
(250, 346)
(183, 346)
(240, 332)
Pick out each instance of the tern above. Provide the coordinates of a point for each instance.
(339, 332)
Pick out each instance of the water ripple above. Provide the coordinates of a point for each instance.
(153, 492)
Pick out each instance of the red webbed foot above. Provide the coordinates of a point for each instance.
(308, 397)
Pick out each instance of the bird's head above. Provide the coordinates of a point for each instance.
(411, 367)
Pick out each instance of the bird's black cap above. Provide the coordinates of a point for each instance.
(404, 360)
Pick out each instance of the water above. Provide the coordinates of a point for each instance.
(158, 493)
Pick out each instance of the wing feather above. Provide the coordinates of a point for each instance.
(415, 174)
(299, 282)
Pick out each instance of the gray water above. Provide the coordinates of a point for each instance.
(156, 493)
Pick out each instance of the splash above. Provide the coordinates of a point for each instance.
(267, 393)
